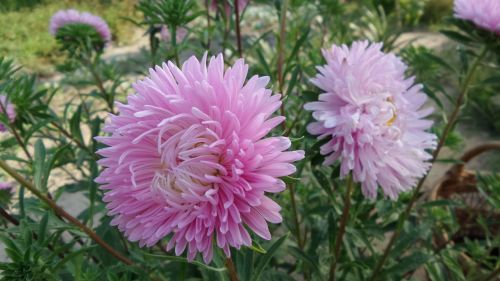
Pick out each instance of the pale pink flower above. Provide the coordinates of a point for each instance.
(5, 186)
(483, 13)
(6, 108)
(372, 115)
(188, 158)
(66, 17)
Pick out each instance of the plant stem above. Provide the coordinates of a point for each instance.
(8, 217)
(281, 54)
(16, 135)
(61, 212)
(238, 32)
(231, 270)
(173, 32)
(99, 84)
(21, 142)
(295, 216)
(77, 142)
(343, 223)
(449, 126)
(209, 33)
(153, 46)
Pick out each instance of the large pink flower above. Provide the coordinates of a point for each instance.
(483, 13)
(6, 108)
(65, 17)
(373, 115)
(188, 157)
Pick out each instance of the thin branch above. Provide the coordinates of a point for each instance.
(238, 32)
(343, 223)
(61, 212)
(231, 269)
(281, 55)
(76, 141)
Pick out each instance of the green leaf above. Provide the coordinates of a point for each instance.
(257, 248)
(298, 44)
(293, 80)
(407, 264)
(264, 260)
(439, 203)
(184, 260)
(74, 124)
(299, 254)
(453, 35)
(72, 255)
(43, 227)
(263, 62)
(39, 165)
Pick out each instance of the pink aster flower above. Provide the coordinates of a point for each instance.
(483, 13)
(66, 17)
(5, 186)
(6, 108)
(180, 34)
(188, 158)
(373, 115)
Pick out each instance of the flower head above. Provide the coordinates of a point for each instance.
(6, 108)
(66, 17)
(5, 186)
(188, 158)
(373, 115)
(483, 13)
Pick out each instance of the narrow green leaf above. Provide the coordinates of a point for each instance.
(299, 254)
(39, 163)
(74, 124)
(264, 260)
(407, 264)
(42, 229)
(184, 260)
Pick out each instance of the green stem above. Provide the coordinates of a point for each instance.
(61, 212)
(291, 187)
(238, 32)
(76, 141)
(100, 84)
(173, 32)
(209, 33)
(16, 135)
(343, 223)
(281, 54)
(464, 89)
